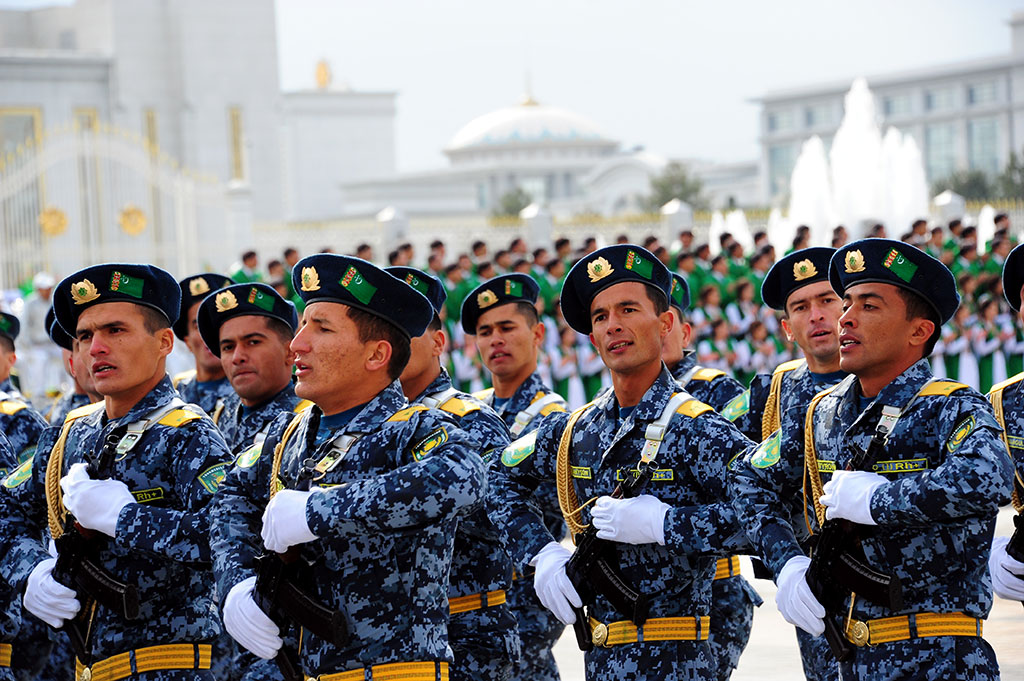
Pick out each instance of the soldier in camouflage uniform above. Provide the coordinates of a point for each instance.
(18, 420)
(928, 504)
(249, 328)
(391, 481)
(206, 384)
(482, 630)
(169, 460)
(509, 334)
(667, 538)
(83, 391)
(733, 599)
(1007, 400)
(10, 609)
(797, 287)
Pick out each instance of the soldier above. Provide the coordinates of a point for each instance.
(18, 421)
(796, 286)
(83, 391)
(249, 327)
(665, 539)
(501, 314)
(482, 630)
(732, 597)
(378, 528)
(205, 384)
(10, 612)
(139, 468)
(924, 507)
(1008, 403)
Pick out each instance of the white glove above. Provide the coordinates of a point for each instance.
(46, 598)
(848, 495)
(249, 625)
(96, 504)
(552, 585)
(1007, 573)
(794, 599)
(284, 520)
(640, 520)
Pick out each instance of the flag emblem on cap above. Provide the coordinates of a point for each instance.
(310, 279)
(899, 265)
(638, 264)
(486, 299)
(226, 301)
(260, 299)
(122, 283)
(804, 269)
(83, 292)
(417, 283)
(598, 269)
(854, 262)
(513, 288)
(198, 286)
(356, 284)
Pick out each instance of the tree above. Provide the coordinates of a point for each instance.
(973, 185)
(512, 203)
(676, 182)
(1010, 182)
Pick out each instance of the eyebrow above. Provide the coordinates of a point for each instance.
(621, 303)
(802, 301)
(108, 325)
(863, 296)
(254, 334)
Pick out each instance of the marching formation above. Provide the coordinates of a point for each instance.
(330, 494)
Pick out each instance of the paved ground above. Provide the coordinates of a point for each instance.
(772, 653)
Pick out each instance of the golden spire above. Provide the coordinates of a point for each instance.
(528, 99)
(323, 74)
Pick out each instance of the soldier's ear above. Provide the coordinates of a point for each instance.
(922, 331)
(166, 337)
(667, 319)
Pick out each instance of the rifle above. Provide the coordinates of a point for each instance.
(1015, 547)
(78, 567)
(592, 569)
(277, 594)
(838, 565)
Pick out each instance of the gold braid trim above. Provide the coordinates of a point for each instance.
(996, 397)
(567, 500)
(770, 419)
(811, 464)
(275, 467)
(56, 514)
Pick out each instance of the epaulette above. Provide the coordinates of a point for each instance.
(183, 376)
(12, 407)
(942, 388)
(179, 417)
(484, 395)
(459, 407)
(707, 374)
(693, 408)
(556, 403)
(303, 405)
(85, 410)
(788, 366)
(998, 387)
(407, 413)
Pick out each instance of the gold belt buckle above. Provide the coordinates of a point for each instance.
(859, 634)
(600, 634)
(86, 675)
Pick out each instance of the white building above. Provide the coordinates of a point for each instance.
(962, 115)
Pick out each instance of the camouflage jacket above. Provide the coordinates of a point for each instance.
(386, 526)
(10, 601)
(205, 393)
(691, 478)
(1012, 397)
(64, 404)
(162, 542)
(21, 424)
(711, 386)
(240, 426)
(947, 474)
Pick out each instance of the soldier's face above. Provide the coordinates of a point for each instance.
(197, 346)
(255, 358)
(121, 355)
(507, 342)
(876, 340)
(1021, 312)
(423, 353)
(677, 339)
(627, 331)
(812, 319)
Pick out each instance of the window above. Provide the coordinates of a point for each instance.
(940, 150)
(983, 145)
(896, 105)
(817, 115)
(939, 99)
(86, 119)
(568, 185)
(780, 121)
(982, 93)
(235, 138)
(781, 159)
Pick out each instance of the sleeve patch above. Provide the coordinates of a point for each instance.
(211, 478)
(429, 443)
(518, 451)
(960, 434)
(250, 456)
(768, 452)
(19, 475)
(145, 496)
(737, 406)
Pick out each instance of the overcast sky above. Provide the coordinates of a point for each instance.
(675, 77)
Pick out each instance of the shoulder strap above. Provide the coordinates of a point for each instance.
(688, 376)
(183, 376)
(275, 466)
(164, 415)
(770, 419)
(486, 396)
(217, 411)
(655, 432)
(539, 404)
(567, 500)
(707, 374)
(996, 398)
(437, 399)
(11, 407)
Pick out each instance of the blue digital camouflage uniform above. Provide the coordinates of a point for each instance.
(203, 393)
(10, 614)
(162, 543)
(798, 385)
(701, 524)
(386, 525)
(21, 424)
(948, 474)
(64, 404)
(733, 599)
(240, 425)
(1012, 399)
(484, 640)
(539, 629)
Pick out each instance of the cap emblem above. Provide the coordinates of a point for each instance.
(854, 262)
(598, 269)
(804, 269)
(83, 292)
(310, 279)
(226, 301)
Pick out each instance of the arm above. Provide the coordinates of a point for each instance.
(23, 516)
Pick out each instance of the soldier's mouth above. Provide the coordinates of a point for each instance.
(100, 369)
(618, 345)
